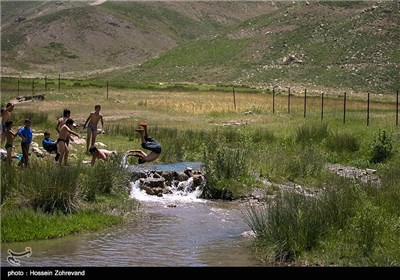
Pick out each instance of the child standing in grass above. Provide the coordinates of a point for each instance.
(26, 134)
(9, 136)
(92, 121)
(61, 121)
(6, 116)
(62, 145)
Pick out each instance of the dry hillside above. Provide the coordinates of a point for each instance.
(346, 45)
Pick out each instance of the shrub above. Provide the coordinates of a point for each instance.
(381, 147)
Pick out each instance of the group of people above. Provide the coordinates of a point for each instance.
(64, 128)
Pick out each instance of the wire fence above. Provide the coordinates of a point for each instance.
(36, 88)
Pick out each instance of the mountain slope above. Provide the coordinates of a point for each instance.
(78, 37)
(340, 45)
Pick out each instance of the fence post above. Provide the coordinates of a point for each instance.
(234, 97)
(273, 100)
(344, 108)
(397, 108)
(322, 106)
(59, 82)
(368, 110)
(305, 102)
(288, 102)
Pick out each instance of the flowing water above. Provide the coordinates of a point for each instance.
(178, 229)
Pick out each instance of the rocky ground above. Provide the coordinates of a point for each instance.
(364, 175)
(367, 176)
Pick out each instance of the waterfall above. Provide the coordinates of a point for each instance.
(168, 187)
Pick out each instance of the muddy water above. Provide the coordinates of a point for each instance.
(175, 230)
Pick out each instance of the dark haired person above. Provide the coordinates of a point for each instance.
(101, 154)
(26, 134)
(49, 144)
(62, 145)
(9, 136)
(147, 143)
(61, 121)
(92, 121)
(6, 116)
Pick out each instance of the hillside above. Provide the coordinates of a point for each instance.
(337, 45)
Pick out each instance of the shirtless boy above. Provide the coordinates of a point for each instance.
(61, 121)
(6, 116)
(62, 146)
(9, 136)
(92, 122)
(101, 154)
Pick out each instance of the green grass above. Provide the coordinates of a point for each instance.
(62, 201)
(28, 224)
(350, 225)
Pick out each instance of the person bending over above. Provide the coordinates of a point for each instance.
(101, 154)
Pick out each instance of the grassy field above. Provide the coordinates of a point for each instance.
(242, 138)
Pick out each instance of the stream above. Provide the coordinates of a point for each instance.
(175, 230)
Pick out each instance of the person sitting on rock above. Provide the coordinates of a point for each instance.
(49, 144)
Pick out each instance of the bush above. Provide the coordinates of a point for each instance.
(381, 147)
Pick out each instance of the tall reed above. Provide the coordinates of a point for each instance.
(292, 223)
(55, 189)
